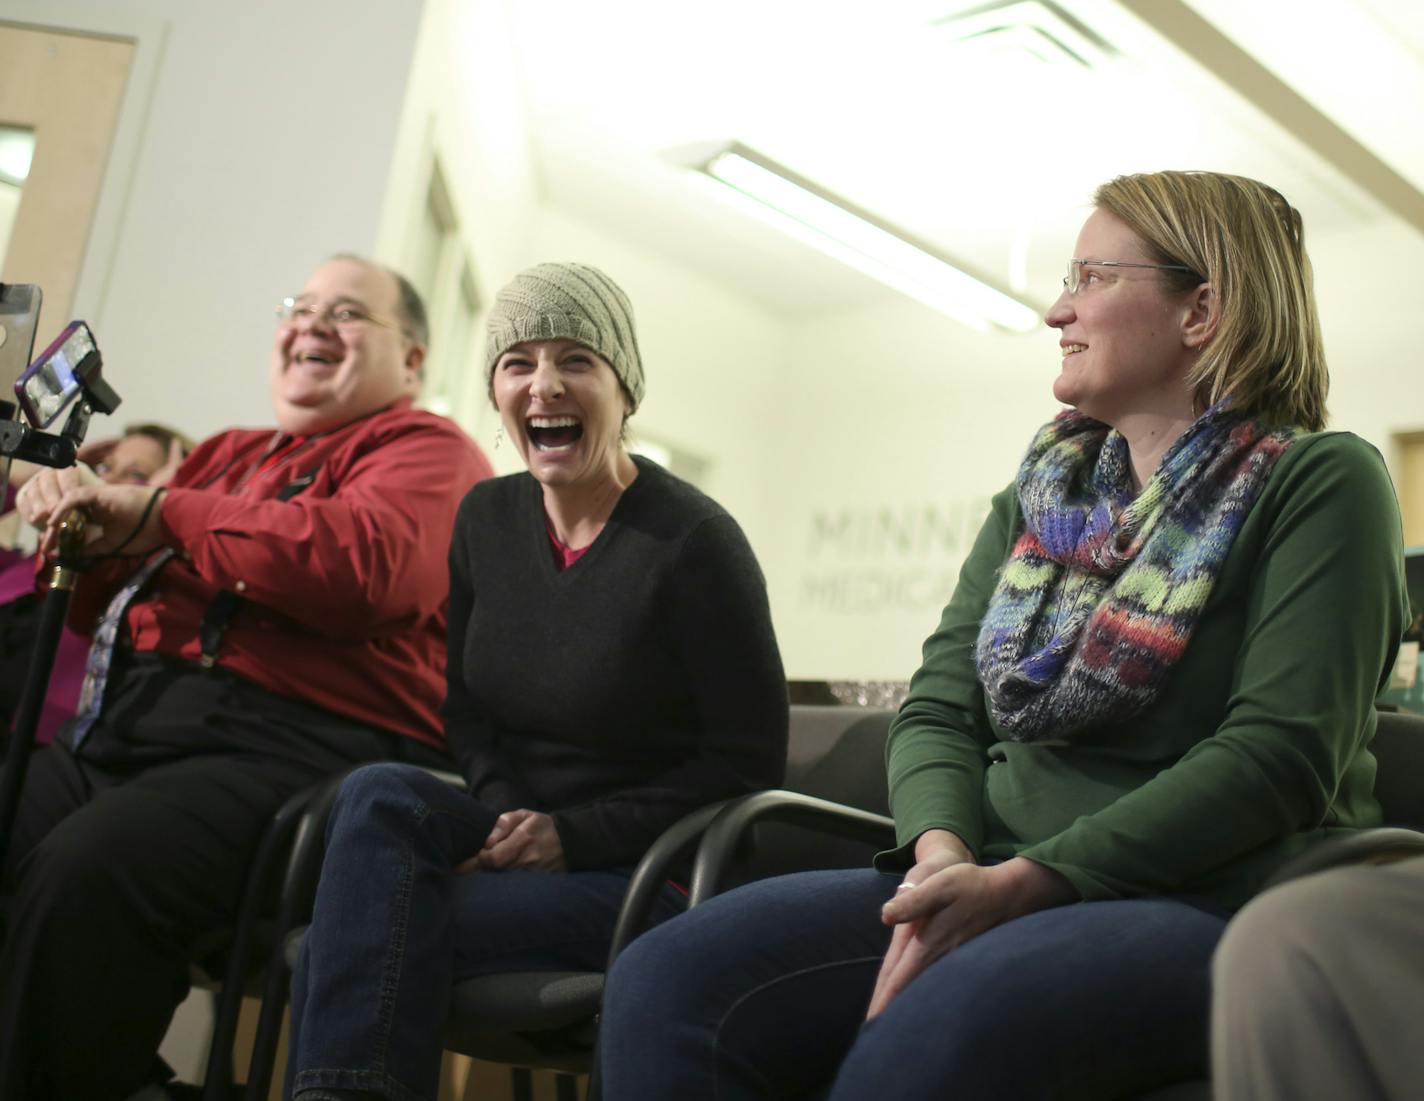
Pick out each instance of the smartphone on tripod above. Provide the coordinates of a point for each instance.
(51, 382)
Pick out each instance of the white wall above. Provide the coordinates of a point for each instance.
(254, 141)
(463, 105)
(899, 426)
(1368, 284)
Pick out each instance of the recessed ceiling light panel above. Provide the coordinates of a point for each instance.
(1039, 28)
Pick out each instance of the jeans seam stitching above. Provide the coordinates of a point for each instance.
(722, 1020)
(344, 1078)
(395, 960)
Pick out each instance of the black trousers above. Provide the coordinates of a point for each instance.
(126, 853)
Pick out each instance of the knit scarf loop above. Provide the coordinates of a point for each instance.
(1100, 595)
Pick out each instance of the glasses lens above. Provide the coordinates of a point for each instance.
(342, 317)
(1071, 279)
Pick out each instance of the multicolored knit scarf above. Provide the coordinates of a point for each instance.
(1102, 591)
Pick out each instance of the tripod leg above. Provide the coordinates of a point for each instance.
(17, 756)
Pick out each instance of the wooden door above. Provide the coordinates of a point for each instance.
(67, 88)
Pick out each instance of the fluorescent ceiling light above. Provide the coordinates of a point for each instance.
(835, 227)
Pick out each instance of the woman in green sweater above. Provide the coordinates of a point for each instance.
(1154, 684)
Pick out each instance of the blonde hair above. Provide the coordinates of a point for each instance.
(1245, 240)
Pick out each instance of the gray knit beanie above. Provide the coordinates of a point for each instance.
(567, 302)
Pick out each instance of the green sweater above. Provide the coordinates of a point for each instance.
(1257, 746)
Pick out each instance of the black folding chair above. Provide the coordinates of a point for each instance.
(542, 1020)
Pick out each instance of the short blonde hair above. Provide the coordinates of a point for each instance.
(1244, 239)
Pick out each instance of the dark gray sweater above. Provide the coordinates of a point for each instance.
(625, 691)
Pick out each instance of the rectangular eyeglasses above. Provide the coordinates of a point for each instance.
(1074, 279)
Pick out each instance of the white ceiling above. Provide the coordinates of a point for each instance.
(987, 152)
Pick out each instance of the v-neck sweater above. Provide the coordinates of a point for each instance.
(624, 691)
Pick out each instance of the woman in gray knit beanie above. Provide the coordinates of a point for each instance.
(611, 667)
(561, 356)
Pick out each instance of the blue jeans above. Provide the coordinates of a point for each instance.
(393, 929)
(761, 993)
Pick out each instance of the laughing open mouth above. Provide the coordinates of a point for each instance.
(553, 433)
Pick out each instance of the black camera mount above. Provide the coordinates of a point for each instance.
(19, 441)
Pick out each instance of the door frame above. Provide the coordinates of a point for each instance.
(1408, 475)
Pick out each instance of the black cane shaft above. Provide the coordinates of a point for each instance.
(22, 738)
(53, 612)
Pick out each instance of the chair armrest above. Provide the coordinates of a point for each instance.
(726, 831)
(1378, 846)
(652, 872)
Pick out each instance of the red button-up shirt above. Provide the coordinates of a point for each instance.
(345, 583)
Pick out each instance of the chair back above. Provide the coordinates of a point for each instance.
(833, 753)
(1399, 782)
(544, 1019)
(838, 753)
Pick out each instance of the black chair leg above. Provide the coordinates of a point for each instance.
(521, 1084)
(258, 889)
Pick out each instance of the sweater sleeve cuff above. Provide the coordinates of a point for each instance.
(1090, 888)
(580, 844)
(902, 857)
(899, 859)
(499, 796)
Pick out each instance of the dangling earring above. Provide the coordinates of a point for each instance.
(498, 437)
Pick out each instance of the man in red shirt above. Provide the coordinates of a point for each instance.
(277, 614)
